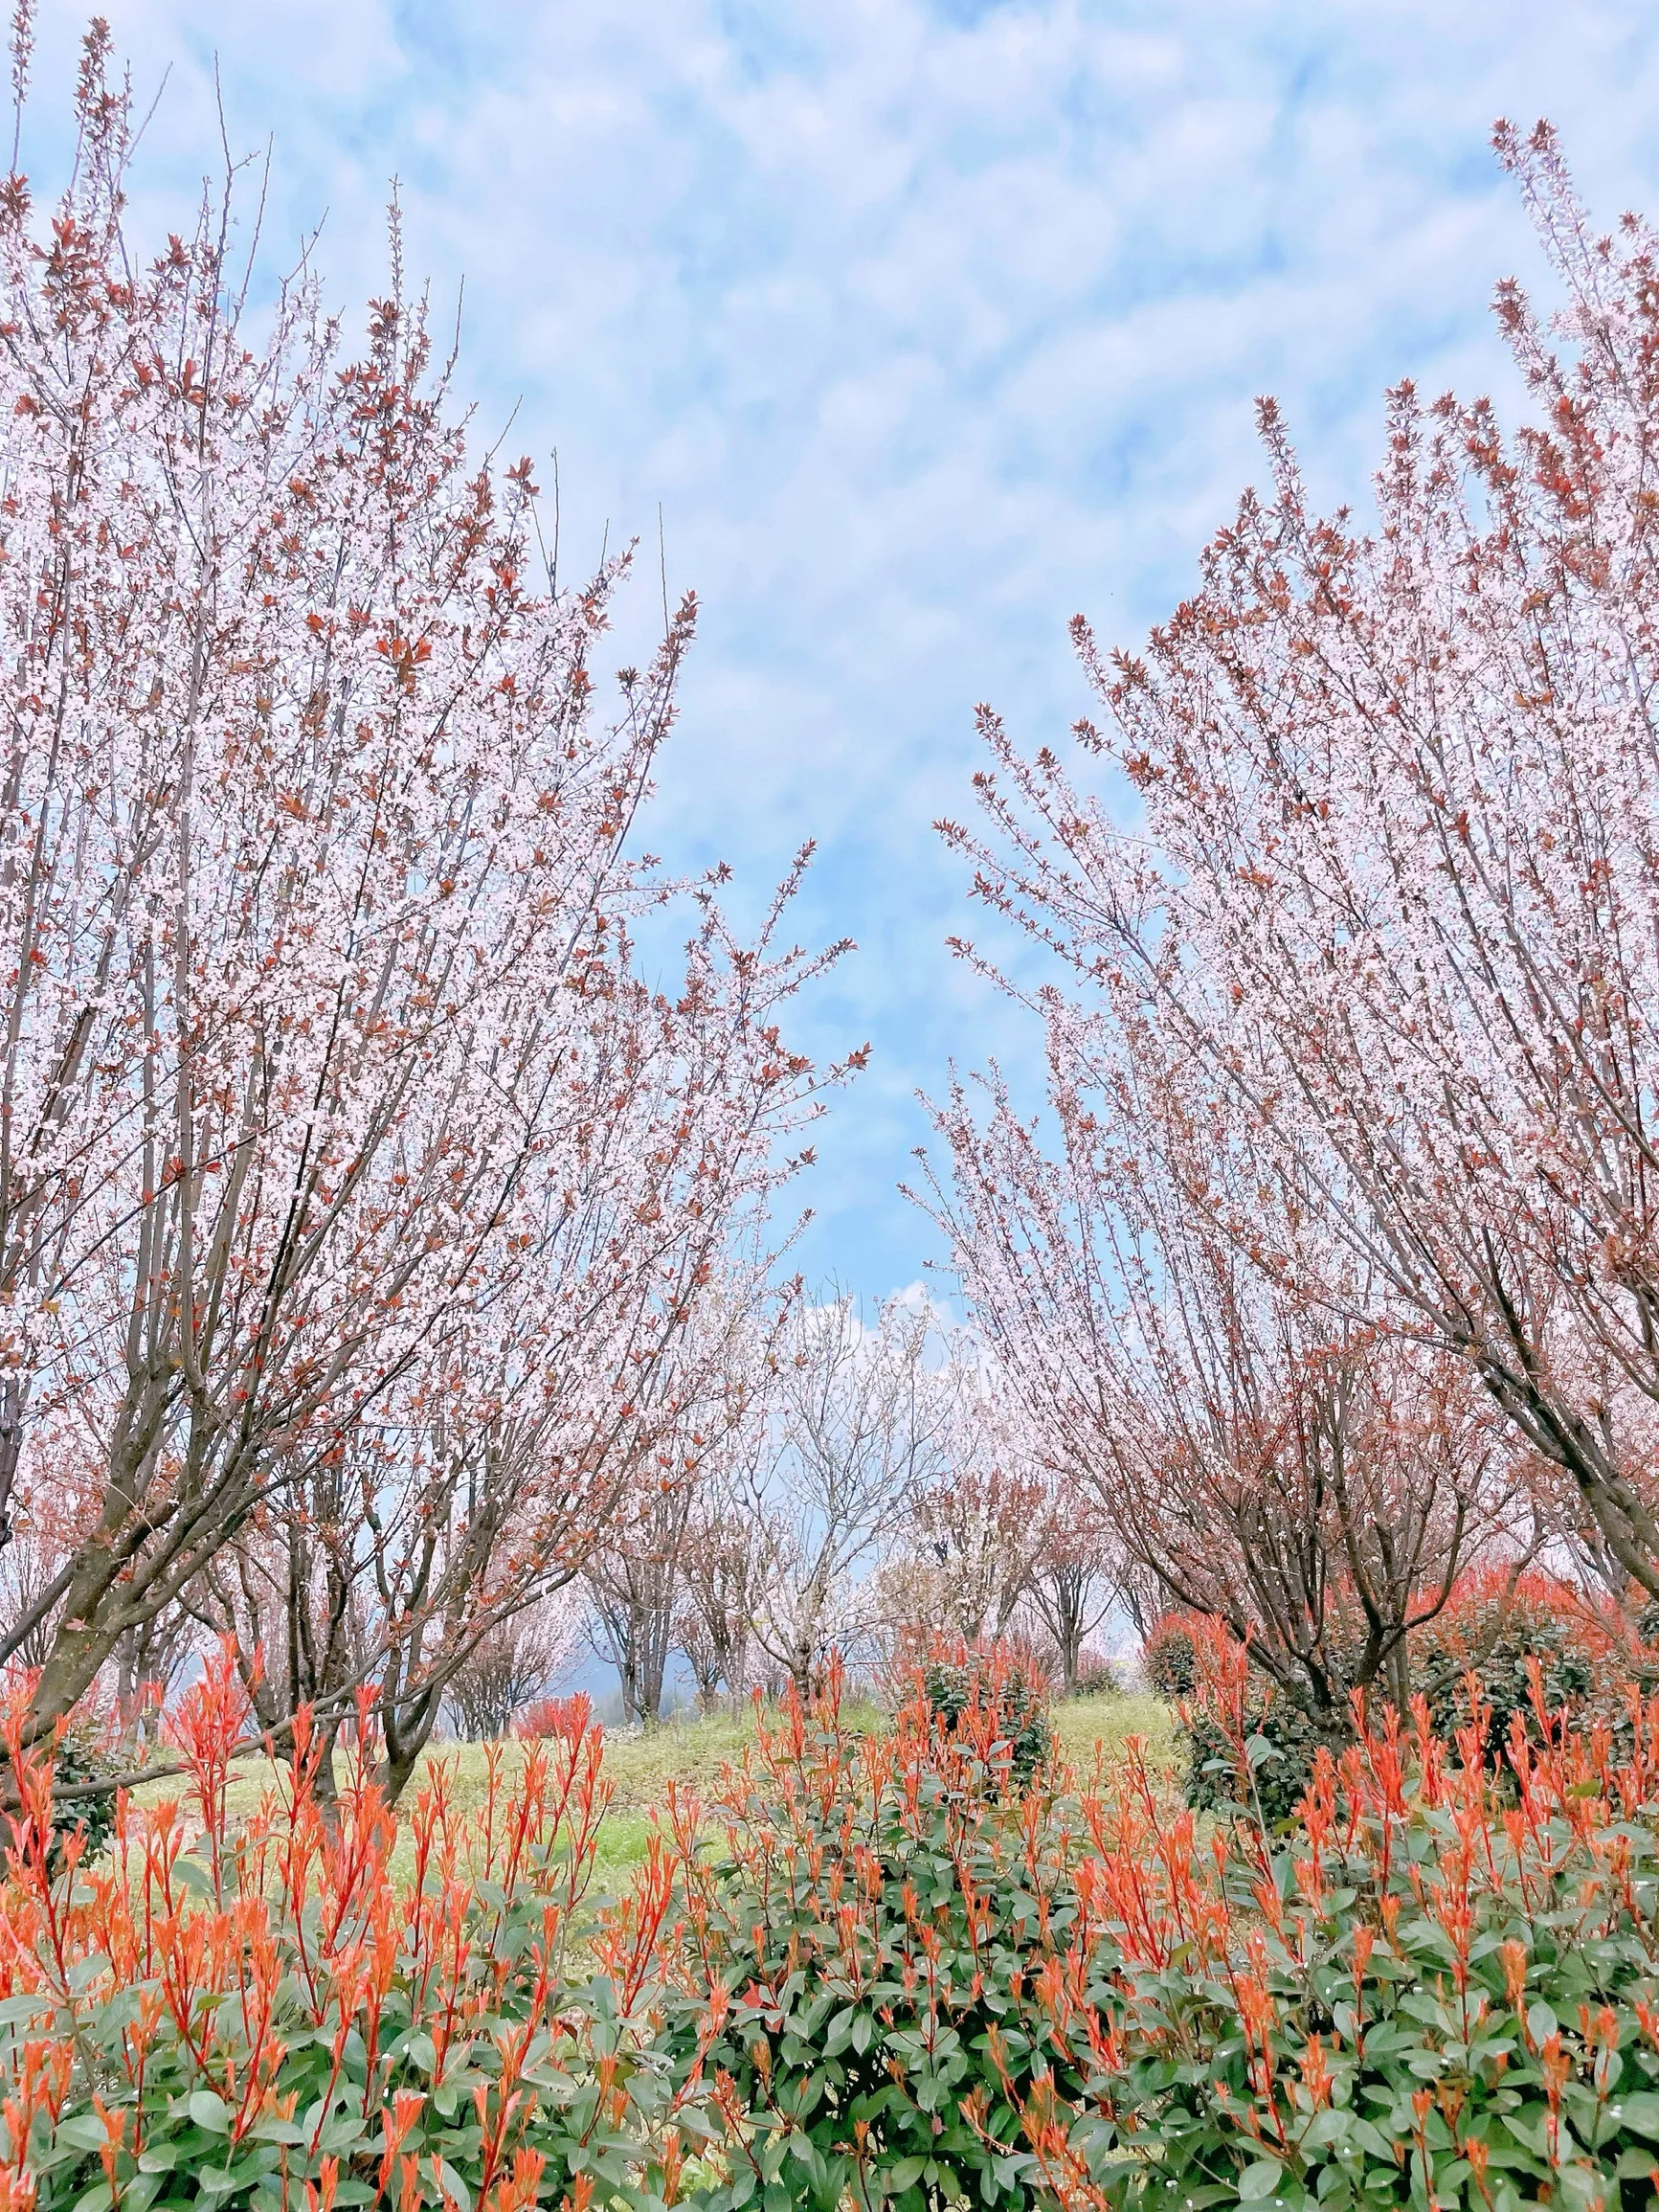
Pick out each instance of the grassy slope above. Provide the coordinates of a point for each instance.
(693, 1753)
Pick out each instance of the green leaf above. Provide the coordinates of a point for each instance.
(209, 2109)
(1260, 2180)
(904, 2174)
(1372, 2139)
(457, 2187)
(275, 2131)
(83, 2132)
(1639, 2111)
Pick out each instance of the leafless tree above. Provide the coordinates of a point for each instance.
(1076, 1575)
(860, 1427)
(727, 1545)
(633, 1588)
(981, 1523)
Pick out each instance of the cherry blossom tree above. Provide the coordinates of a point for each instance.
(633, 1582)
(560, 1423)
(333, 1119)
(1388, 915)
(1078, 1572)
(1004, 1540)
(724, 1557)
(514, 1664)
(1314, 1485)
(979, 1525)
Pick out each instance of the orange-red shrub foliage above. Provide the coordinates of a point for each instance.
(556, 1717)
(269, 2006)
(1445, 1989)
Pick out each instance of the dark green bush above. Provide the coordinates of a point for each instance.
(84, 1756)
(1500, 1627)
(1282, 1739)
(1442, 1994)
(269, 2021)
(1169, 1659)
(1250, 1743)
(1254, 1747)
(882, 1974)
(1439, 1992)
(1096, 1678)
(957, 1680)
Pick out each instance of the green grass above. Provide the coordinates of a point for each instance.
(1101, 1729)
(1092, 1732)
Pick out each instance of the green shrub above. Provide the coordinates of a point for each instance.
(959, 1679)
(1266, 1773)
(1169, 1658)
(875, 1908)
(82, 1756)
(1253, 1746)
(1498, 1627)
(1442, 1993)
(1096, 1677)
(878, 1972)
(1442, 1989)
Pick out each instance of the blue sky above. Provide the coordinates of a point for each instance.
(926, 323)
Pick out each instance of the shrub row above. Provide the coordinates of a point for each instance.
(911, 1969)
(1440, 1988)
(269, 2019)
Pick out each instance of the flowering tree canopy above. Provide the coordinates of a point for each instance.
(1358, 1055)
(335, 1118)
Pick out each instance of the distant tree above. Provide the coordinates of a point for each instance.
(30, 1563)
(1314, 1483)
(1076, 1575)
(515, 1664)
(723, 1562)
(981, 1523)
(860, 1429)
(633, 1585)
(151, 1661)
